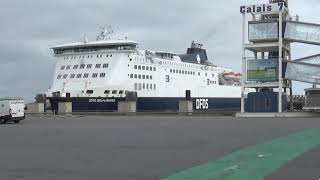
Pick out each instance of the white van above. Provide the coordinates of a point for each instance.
(12, 109)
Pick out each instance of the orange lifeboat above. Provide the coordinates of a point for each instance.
(229, 76)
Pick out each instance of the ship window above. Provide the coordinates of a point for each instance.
(199, 73)
(170, 70)
(105, 65)
(147, 86)
(107, 55)
(135, 76)
(206, 74)
(121, 92)
(179, 71)
(135, 66)
(139, 76)
(131, 76)
(98, 66)
(75, 66)
(86, 75)
(147, 76)
(139, 88)
(143, 76)
(135, 86)
(143, 68)
(139, 67)
(65, 76)
(154, 86)
(147, 68)
(151, 77)
(114, 92)
(59, 76)
(154, 69)
(107, 92)
(150, 68)
(102, 74)
(89, 66)
(150, 86)
(62, 67)
(182, 72)
(89, 91)
(100, 56)
(174, 71)
(143, 86)
(79, 75)
(68, 67)
(194, 73)
(130, 59)
(82, 66)
(95, 75)
(97, 56)
(72, 76)
(110, 55)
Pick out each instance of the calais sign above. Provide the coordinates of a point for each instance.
(263, 8)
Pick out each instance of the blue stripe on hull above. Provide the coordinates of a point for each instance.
(84, 104)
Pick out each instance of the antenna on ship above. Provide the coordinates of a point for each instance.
(85, 39)
(106, 33)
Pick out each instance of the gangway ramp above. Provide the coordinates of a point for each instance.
(302, 32)
(304, 70)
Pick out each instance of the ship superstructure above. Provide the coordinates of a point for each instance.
(97, 74)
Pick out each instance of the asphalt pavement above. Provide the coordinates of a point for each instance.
(139, 147)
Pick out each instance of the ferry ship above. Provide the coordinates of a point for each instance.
(96, 75)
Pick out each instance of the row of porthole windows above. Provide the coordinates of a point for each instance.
(145, 68)
(144, 86)
(83, 66)
(182, 72)
(89, 56)
(78, 76)
(108, 92)
(139, 76)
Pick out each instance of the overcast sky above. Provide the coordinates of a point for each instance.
(30, 28)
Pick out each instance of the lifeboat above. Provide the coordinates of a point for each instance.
(229, 76)
(238, 77)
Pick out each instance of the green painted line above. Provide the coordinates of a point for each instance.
(254, 162)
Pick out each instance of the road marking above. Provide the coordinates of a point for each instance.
(254, 162)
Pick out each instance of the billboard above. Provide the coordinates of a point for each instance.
(262, 70)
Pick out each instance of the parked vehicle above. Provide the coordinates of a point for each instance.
(12, 109)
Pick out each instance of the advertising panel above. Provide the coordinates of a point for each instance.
(262, 70)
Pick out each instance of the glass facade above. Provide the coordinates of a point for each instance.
(263, 31)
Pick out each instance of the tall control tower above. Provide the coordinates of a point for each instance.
(263, 52)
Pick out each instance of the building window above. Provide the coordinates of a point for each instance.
(131, 76)
(89, 66)
(75, 66)
(107, 92)
(89, 91)
(62, 67)
(68, 67)
(86, 75)
(72, 76)
(102, 75)
(82, 66)
(95, 75)
(105, 65)
(59, 76)
(79, 76)
(65, 76)
(98, 66)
